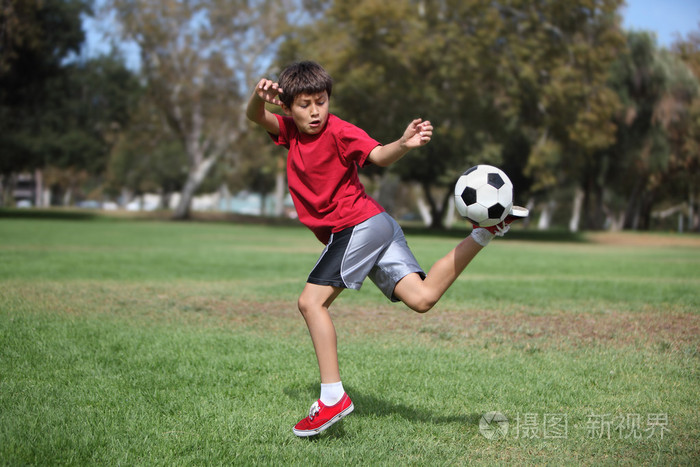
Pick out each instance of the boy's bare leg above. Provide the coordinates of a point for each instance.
(313, 305)
(420, 295)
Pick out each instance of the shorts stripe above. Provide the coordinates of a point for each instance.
(375, 248)
(328, 267)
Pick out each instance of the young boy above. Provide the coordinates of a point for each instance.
(361, 239)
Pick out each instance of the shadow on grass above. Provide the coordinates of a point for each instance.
(370, 404)
(373, 405)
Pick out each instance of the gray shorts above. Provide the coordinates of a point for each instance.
(375, 248)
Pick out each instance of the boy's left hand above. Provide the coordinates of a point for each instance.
(417, 134)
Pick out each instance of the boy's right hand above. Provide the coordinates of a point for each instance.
(268, 91)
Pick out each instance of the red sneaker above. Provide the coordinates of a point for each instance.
(516, 212)
(322, 416)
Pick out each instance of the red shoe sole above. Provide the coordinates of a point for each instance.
(315, 431)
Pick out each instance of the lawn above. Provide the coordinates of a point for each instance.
(145, 342)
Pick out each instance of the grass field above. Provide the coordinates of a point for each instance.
(141, 342)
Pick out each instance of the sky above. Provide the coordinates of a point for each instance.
(666, 18)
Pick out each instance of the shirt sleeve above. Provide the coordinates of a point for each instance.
(356, 145)
(284, 137)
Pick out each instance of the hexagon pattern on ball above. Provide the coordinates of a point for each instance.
(484, 195)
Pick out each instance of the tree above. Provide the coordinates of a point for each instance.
(685, 136)
(553, 62)
(35, 39)
(514, 83)
(655, 145)
(678, 115)
(57, 110)
(200, 59)
(147, 157)
(398, 59)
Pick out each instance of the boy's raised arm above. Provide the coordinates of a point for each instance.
(265, 91)
(417, 134)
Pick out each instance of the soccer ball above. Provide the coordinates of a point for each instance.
(484, 195)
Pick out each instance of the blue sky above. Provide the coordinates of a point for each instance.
(664, 17)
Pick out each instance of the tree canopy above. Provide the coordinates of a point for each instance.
(486, 74)
(583, 116)
(35, 37)
(57, 109)
(200, 58)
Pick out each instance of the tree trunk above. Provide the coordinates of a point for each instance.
(693, 218)
(225, 198)
(530, 206)
(577, 206)
(632, 211)
(447, 210)
(450, 212)
(38, 188)
(194, 180)
(68, 195)
(423, 208)
(263, 204)
(598, 220)
(125, 197)
(280, 188)
(587, 204)
(645, 210)
(545, 221)
(615, 221)
(436, 211)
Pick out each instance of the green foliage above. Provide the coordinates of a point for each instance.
(58, 113)
(100, 97)
(559, 57)
(200, 61)
(657, 91)
(485, 74)
(553, 92)
(37, 37)
(147, 157)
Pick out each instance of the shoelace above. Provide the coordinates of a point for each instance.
(501, 229)
(314, 410)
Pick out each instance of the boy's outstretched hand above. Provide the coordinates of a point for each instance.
(268, 91)
(417, 134)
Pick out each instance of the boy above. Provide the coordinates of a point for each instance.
(361, 239)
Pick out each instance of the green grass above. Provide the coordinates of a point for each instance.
(159, 343)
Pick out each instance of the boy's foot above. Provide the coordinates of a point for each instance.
(516, 213)
(322, 416)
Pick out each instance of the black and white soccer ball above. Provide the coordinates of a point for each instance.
(484, 195)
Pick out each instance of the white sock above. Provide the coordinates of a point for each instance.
(332, 393)
(482, 236)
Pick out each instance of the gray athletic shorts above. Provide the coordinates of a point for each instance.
(375, 248)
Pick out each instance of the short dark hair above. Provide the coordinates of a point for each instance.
(304, 77)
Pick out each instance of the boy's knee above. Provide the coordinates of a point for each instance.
(423, 304)
(305, 305)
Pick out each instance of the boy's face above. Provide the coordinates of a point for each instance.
(309, 112)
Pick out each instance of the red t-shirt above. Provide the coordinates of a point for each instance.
(322, 175)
